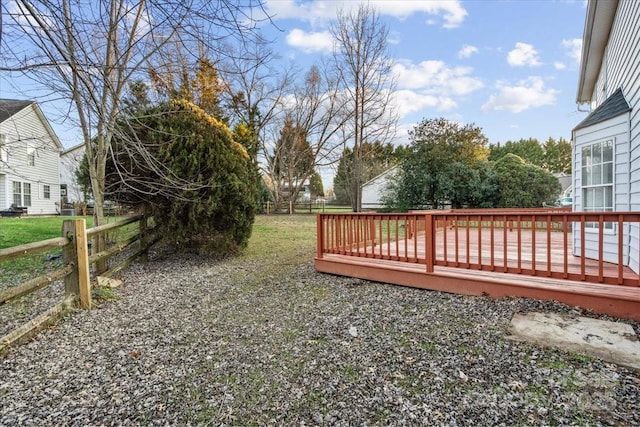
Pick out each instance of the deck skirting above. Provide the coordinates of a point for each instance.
(615, 300)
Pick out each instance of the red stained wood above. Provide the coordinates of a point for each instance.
(531, 257)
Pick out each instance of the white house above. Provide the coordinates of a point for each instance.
(70, 160)
(374, 190)
(606, 144)
(29, 159)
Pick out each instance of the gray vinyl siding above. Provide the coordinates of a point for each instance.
(621, 69)
(23, 130)
(616, 129)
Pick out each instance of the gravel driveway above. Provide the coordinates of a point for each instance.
(195, 342)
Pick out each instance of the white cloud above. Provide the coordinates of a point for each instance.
(530, 93)
(432, 84)
(573, 49)
(408, 101)
(466, 51)
(560, 65)
(394, 37)
(310, 42)
(436, 77)
(523, 55)
(451, 12)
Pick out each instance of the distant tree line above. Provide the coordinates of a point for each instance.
(551, 155)
(450, 165)
(447, 164)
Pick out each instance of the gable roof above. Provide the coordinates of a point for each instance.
(611, 107)
(72, 150)
(381, 176)
(9, 107)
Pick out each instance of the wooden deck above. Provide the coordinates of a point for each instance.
(487, 261)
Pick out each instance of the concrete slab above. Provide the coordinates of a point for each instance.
(610, 341)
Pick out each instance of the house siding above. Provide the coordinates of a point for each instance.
(620, 69)
(376, 189)
(618, 130)
(3, 191)
(70, 161)
(25, 130)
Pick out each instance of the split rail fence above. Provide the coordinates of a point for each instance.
(76, 268)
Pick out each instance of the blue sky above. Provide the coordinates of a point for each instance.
(509, 67)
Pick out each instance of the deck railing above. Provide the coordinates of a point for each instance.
(535, 242)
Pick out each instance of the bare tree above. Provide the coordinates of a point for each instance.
(87, 54)
(254, 89)
(311, 135)
(364, 66)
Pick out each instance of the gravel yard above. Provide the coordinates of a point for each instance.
(251, 341)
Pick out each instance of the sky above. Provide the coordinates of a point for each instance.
(508, 67)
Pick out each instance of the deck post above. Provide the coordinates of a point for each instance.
(429, 240)
(319, 234)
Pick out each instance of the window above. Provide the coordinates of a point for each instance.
(31, 156)
(47, 191)
(26, 188)
(21, 193)
(3, 148)
(17, 193)
(597, 179)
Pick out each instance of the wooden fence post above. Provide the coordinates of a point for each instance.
(69, 256)
(144, 238)
(77, 253)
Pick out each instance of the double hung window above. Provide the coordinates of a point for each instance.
(597, 179)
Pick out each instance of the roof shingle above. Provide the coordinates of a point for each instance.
(9, 107)
(613, 106)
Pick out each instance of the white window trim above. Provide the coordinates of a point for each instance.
(31, 155)
(13, 192)
(24, 194)
(595, 230)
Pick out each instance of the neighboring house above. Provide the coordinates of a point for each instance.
(606, 144)
(304, 192)
(374, 190)
(69, 163)
(29, 159)
(565, 180)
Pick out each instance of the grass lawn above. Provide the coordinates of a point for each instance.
(18, 231)
(280, 239)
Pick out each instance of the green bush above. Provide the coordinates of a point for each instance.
(184, 167)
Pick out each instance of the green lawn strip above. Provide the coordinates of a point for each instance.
(18, 231)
